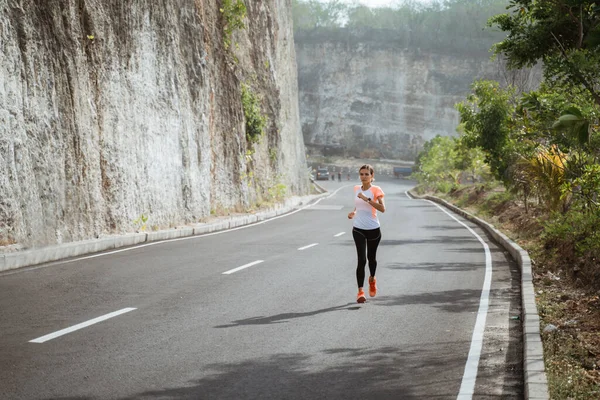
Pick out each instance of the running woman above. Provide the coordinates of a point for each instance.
(368, 199)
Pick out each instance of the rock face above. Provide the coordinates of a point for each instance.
(367, 91)
(114, 109)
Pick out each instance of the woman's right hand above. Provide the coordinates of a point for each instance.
(351, 215)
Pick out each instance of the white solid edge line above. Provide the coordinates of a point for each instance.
(82, 325)
(134, 247)
(467, 387)
(231, 271)
(306, 247)
(339, 234)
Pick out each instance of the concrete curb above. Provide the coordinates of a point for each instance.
(26, 258)
(320, 188)
(536, 384)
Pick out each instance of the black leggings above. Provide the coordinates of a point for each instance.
(366, 248)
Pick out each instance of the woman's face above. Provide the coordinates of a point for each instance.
(365, 175)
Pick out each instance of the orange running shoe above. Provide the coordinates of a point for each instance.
(372, 286)
(360, 298)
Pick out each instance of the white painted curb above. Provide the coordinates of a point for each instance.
(43, 255)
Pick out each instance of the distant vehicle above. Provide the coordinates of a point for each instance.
(402, 172)
(322, 174)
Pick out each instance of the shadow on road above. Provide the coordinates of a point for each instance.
(357, 373)
(441, 227)
(279, 318)
(402, 242)
(456, 301)
(436, 267)
(475, 250)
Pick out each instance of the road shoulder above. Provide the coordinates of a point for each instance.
(535, 380)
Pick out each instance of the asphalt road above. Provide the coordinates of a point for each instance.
(259, 313)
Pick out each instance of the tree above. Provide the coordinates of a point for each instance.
(315, 14)
(564, 34)
(410, 23)
(436, 163)
(485, 114)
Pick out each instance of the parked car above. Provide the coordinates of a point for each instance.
(322, 174)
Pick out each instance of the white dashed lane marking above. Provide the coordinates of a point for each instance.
(231, 271)
(82, 325)
(306, 247)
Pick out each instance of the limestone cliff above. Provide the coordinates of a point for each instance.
(369, 90)
(114, 109)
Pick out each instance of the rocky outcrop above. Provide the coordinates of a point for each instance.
(369, 91)
(114, 110)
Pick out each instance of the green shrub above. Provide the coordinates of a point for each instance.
(586, 187)
(277, 192)
(234, 12)
(574, 236)
(576, 227)
(444, 186)
(141, 222)
(497, 198)
(273, 155)
(255, 121)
